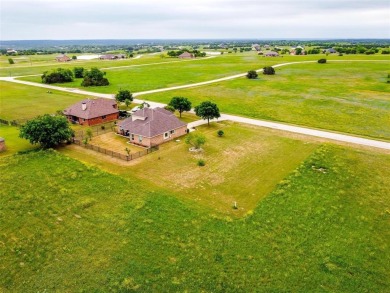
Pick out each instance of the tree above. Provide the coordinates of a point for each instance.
(180, 104)
(143, 105)
(196, 140)
(78, 72)
(58, 75)
(74, 57)
(127, 103)
(323, 60)
(123, 95)
(252, 74)
(207, 110)
(268, 70)
(94, 77)
(11, 61)
(47, 130)
(220, 133)
(169, 108)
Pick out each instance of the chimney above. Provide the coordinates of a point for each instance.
(83, 106)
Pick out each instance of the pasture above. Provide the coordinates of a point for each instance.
(243, 166)
(72, 227)
(343, 97)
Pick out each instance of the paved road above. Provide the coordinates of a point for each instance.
(262, 123)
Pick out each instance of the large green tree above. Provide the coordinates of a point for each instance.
(47, 130)
(59, 75)
(123, 95)
(94, 77)
(180, 104)
(207, 110)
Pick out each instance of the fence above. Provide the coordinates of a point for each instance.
(17, 122)
(113, 154)
(93, 132)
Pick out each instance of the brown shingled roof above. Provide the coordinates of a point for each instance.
(94, 108)
(151, 122)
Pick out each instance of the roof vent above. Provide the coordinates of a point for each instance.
(83, 106)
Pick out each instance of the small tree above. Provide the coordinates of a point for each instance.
(180, 104)
(59, 75)
(269, 70)
(127, 150)
(220, 133)
(143, 105)
(252, 74)
(322, 61)
(11, 61)
(127, 103)
(207, 110)
(78, 72)
(47, 130)
(74, 57)
(169, 108)
(94, 77)
(88, 133)
(195, 140)
(123, 95)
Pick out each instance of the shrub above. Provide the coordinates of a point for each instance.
(94, 77)
(322, 61)
(196, 140)
(269, 70)
(201, 163)
(252, 74)
(78, 72)
(11, 61)
(220, 133)
(58, 75)
(169, 108)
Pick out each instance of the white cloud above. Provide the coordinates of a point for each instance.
(78, 19)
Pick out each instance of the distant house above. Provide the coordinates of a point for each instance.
(330, 50)
(150, 127)
(267, 47)
(12, 52)
(271, 54)
(63, 58)
(186, 55)
(256, 47)
(112, 56)
(92, 111)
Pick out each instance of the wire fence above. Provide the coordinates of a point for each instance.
(113, 154)
(93, 132)
(17, 122)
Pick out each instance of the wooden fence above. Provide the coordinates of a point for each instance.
(113, 154)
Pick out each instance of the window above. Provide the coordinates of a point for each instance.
(104, 117)
(172, 132)
(132, 136)
(166, 135)
(140, 138)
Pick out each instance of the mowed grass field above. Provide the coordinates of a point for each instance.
(346, 97)
(19, 101)
(71, 227)
(243, 166)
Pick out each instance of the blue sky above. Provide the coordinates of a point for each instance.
(150, 19)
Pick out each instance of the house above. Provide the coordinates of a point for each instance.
(256, 47)
(150, 127)
(186, 55)
(12, 52)
(271, 54)
(112, 56)
(62, 58)
(330, 50)
(92, 111)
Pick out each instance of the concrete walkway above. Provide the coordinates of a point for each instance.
(261, 123)
(300, 130)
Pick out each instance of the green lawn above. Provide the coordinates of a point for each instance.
(19, 101)
(70, 227)
(240, 167)
(13, 142)
(345, 97)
